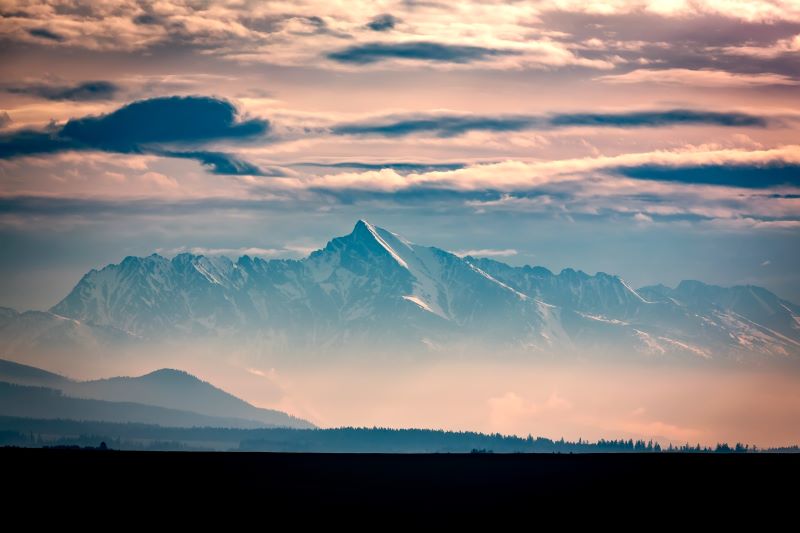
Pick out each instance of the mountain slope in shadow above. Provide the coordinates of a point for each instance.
(165, 388)
(43, 403)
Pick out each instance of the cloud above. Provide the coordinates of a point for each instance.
(766, 263)
(789, 45)
(383, 22)
(364, 54)
(642, 26)
(174, 119)
(519, 175)
(397, 166)
(223, 164)
(748, 176)
(768, 11)
(487, 252)
(44, 33)
(702, 77)
(443, 125)
(234, 253)
(5, 120)
(146, 126)
(703, 41)
(440, 125)
(570, 187)
(26, 142)
(543, 34)
(683, 205)
(82, 92)
(147, 18)
(597, 186)
(658, 118)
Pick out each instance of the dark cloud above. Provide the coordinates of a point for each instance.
(452, 125)
(5, 120)
(364, 54)
(225, 164)
(440, 125)
(316, 22)
(318, 26)
(276, 22)
(44, 33)
(83, 10)
(175, 119)
(28, 142)
(747, 176)
(147, 19)
(266, 24)
(145, 127)
(81, 92)
(15, 14)
(383, 22)
(657, 118)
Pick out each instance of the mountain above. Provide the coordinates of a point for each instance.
(374, 291)
(172, 390)
(749, 303)
(176, 389)
(44, 403)
(369, 288)
(11, 372)
(47, 332)
(694, 319)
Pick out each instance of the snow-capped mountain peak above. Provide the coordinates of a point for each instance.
(363, 225)
(375, 288)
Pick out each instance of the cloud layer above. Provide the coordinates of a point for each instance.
(148, 126)
(451, 125)
(367, 53)
(545, 34)
(84, 91)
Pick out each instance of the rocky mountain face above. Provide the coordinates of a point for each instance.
(374, 289)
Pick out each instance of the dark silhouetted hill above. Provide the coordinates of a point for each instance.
(165, 388)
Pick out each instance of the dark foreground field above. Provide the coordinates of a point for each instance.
(464, 482)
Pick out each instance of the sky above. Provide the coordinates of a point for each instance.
(657, 140)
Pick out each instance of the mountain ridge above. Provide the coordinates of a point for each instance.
(373, 288)
(171, 391)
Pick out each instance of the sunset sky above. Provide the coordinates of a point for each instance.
(654, 140)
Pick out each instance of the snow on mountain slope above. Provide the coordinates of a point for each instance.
(375, 289)
(427, 290)
(748, 316)
(369, 284)
(695, 319)
(33, 333)
(142, 295)
(601, 294)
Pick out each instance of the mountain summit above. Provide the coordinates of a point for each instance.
(374, 289)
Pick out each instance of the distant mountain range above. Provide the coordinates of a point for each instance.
(374, 290)
(165, 397)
